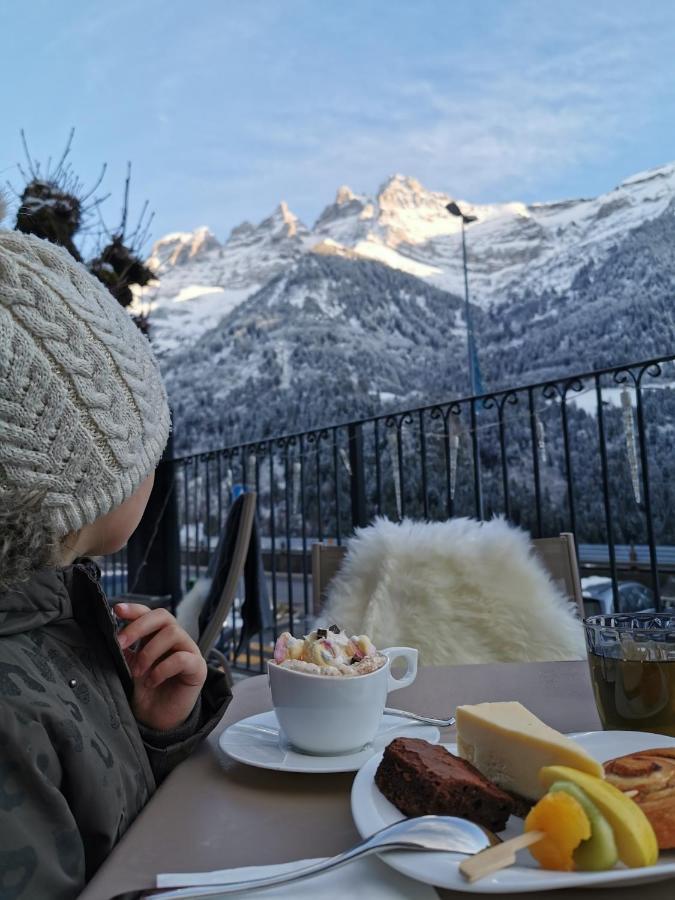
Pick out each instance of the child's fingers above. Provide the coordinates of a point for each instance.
(146, 623)
(190, 666)
(164, 640)
(130, 610)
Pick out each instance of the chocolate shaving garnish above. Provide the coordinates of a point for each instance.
(353, 660)
(321, 633)
(334, 629)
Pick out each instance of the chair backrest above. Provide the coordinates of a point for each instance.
(235, 571)
(558, 555)
(326, 560)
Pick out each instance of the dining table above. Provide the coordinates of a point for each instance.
(212, 812)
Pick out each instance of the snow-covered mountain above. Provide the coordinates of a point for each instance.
(513, 248)
(283, 327)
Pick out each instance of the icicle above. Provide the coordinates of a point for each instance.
(541, 437)
(296, 485)
(631, 447)
(453, 441)
(250, 470)
(345, 461)
(393, 453)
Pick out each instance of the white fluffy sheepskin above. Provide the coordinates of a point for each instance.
(461, 591)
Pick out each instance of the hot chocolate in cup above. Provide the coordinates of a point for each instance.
(333, 714)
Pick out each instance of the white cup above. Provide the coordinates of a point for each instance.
(333, 714)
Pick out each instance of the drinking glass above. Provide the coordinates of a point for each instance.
(632, 663)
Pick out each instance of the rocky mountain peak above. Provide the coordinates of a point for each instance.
(283, 223)
(338, 216)
(243, 230)
(180, 247)
(344, 195)
(203, 239)
(403, 191)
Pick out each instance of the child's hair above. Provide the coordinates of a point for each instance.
(27, 542)
(83, 412)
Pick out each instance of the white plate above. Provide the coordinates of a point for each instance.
(372, 811)
(258, 741)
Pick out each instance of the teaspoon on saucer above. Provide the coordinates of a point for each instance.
(428, 720)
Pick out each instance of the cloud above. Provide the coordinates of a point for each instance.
(232, 107)
(491, 125)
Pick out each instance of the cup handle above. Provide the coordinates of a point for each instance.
(409, 654)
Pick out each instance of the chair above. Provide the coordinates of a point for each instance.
(461, 591)
(558, 554)
(209, 634)
(326, 560)
(206, 606)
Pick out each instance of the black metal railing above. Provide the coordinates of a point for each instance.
(591, 454)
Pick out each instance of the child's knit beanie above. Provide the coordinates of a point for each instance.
(83, 411)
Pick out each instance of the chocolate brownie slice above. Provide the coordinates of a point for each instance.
(423, 779)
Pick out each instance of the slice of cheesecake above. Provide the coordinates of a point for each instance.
(509, 745)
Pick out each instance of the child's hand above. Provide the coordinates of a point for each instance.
(167, 667)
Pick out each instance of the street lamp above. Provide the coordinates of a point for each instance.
(474, 370)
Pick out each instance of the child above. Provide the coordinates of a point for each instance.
(88, 725)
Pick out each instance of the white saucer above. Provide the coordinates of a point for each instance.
(258, 741)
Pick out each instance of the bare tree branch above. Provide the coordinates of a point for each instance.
(31, 167)
(64, 155)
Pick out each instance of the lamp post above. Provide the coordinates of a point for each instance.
(472, 359)
(472, 355)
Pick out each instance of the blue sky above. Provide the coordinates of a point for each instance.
(225, 108)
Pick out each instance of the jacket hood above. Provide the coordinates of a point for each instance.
(35, 603)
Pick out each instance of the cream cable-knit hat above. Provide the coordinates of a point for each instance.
(83, 412)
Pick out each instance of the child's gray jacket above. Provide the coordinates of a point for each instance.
(75, 766)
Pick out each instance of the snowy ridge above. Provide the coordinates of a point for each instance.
(512, 248)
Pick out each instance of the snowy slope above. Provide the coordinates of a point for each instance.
(326, 340)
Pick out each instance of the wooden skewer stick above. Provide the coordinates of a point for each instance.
(503, 855)
(498, 857)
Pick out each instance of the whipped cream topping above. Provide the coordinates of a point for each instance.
(328, 651)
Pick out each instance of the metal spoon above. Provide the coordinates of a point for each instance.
(441, 723)
(443, 833)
